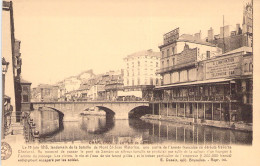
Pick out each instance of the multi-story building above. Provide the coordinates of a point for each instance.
(140, 73)
(114, 86)
(96, 92)
(212, 87)
(11, 53)
(237, 38)
(45, 92)
(179, 56)
(71, 83)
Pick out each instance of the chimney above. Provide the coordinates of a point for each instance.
(210, 34)
(224, 32)
(238, 29)
(197, 36)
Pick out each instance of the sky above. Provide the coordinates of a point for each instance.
(61, 38)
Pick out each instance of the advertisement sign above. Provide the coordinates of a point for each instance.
(171, 36)
(224, 67)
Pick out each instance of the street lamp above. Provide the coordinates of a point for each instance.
(4, 70)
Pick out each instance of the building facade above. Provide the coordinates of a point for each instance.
(25, 97)
(217, 88)
(45, 92)
(140, 73)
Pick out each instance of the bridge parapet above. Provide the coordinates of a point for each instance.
(120, 109)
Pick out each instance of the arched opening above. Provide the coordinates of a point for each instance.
(49, 121)
(139, 111)
(100, 111)
(97, 120)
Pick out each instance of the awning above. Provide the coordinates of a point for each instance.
(195, 83)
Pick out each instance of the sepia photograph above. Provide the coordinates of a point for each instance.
(168, 81)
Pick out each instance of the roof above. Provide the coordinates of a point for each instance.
(47, 86)
(149, 52)
(192, 39)
(22, 81)
(195, 83)
(241, 49)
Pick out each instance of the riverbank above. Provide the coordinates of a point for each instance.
(220, 124)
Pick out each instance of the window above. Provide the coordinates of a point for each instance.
(151, 81)
(168, 52)
(133, 82)
(173, 50)
(156, 64)
(250, 67)
(157, 81)
(173, 61)
(208, 54)
(168, 64)
(181, 105)
(162, 54)
(127, 82)
(173, 105)
(25, 98)
(138, 63)
(162, 64)
(138, 81)
(25, 89)
(246, 67)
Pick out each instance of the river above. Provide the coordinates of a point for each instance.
(99, 129)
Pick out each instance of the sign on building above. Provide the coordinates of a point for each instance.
(171, 36)
(224, 67)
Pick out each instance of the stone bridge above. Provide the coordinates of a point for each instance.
(117, 109)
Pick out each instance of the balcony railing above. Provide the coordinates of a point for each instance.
(196, 98)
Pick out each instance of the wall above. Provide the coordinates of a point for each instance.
(7, 54)
(202, 49)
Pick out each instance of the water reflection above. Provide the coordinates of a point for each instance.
(95, 124)
(194, 134)
(100, 129)
(48, 122)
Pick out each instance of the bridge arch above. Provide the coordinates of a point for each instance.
(139, 111)
(60, 112)
(109, 112)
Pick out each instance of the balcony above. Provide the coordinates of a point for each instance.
(218, 98)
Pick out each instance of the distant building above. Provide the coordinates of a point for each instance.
(238, 37)
(96, 92)
(45, 92)
(71, 83)
(86, 75)
(114, 85)
(140, 73)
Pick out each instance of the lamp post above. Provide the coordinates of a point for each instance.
(4, 70)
